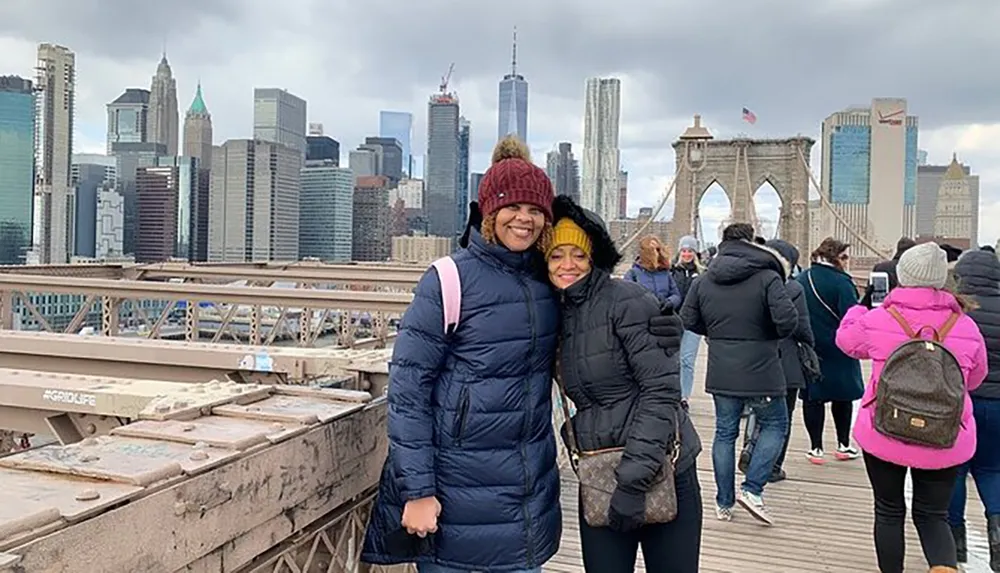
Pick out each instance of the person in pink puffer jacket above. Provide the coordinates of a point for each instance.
(873, 335)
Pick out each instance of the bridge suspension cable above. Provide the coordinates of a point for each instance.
(861, 238)
(826, 203)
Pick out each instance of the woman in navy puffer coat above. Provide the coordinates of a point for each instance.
(470, 427)
(652, 271)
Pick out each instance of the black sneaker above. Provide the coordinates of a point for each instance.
(744, 462)
(776, 476)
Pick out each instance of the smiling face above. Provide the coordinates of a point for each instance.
(567, 265)
(519, 226)
(687, 255)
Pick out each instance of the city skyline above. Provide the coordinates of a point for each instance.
(655, 107)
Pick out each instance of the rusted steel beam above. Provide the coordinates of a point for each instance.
(174, 360)
(87, 270)
(400, 276)
(276, 297)
(210, 484)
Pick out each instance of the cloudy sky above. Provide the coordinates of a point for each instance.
(791, 62)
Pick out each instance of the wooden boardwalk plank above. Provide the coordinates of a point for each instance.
(823, 514)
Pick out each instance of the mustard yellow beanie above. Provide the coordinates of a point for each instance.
(566, 232)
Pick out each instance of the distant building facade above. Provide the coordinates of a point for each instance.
(279, 117)
(163, 112)
(128, 118)
(370, 236)
(254, 202)
(17, 167)
(326, 212)
(564, 171)
(420, 250)
(398, 125)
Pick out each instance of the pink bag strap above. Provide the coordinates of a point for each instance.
(451, 292)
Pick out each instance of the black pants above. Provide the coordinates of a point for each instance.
(672, 547)
(931, 497)
(814, 415)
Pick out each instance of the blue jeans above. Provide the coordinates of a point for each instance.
(772, 419)
(434, 568)
(689, 355)
(984, 465)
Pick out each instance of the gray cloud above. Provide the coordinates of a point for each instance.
(791, 62)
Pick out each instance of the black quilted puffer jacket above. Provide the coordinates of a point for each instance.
(978, 274)
(626, 388)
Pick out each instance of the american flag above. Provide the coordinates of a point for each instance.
(749, 117)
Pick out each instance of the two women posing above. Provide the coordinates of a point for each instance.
(471, 481)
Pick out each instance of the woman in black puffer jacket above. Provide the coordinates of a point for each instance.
(978, 275)
(627, 394)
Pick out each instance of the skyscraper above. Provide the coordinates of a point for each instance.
(163, 114)
(129, 157)
(622, 194)
(323, 148)
(442, 164)
(128, 118)
(254, 202)
(326, 207)
(463, 173)
(370, 235)
(929, 182)
(398, 125)
(564, 171)
(54, 228)
(601, 156)
(390, 153)
(169, 209)
(869, 171)
(17, 163)
(513, 108)
(279, 116)
(474, 180)
(90, 175)
(198, 131)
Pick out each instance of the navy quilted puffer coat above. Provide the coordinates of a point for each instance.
(470, 418)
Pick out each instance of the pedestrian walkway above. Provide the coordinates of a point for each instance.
(823, 514)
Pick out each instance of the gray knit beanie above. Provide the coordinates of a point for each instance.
(924, 265)
(688, 242)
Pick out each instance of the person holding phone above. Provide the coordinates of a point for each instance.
(889, 267)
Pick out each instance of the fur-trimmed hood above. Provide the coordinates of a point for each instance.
(788, 252)
(605, 255)
(739, 260)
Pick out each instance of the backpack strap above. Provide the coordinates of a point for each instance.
(902, 322)
(451, 292)
(939, 333)
(947, 326)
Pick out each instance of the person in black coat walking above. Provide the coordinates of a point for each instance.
(789, 350)
(627, 394)
(978, 275)
(889, 267)
(742, 306)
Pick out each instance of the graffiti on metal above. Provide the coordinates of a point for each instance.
(67, 397)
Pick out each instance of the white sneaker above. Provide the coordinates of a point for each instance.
(815, 456)
(755, 506)
(724, 513)
(845, 453)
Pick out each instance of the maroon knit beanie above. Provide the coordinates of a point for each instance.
(514, 179)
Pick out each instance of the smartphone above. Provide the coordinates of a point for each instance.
(880, 287)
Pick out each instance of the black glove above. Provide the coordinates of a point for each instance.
(668, 330)
(866, 300)
(628, 511)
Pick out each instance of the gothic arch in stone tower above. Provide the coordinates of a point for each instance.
(740, 167)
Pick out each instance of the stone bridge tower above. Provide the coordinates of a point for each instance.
(740, 166)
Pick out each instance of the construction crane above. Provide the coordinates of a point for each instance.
(446, 78)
